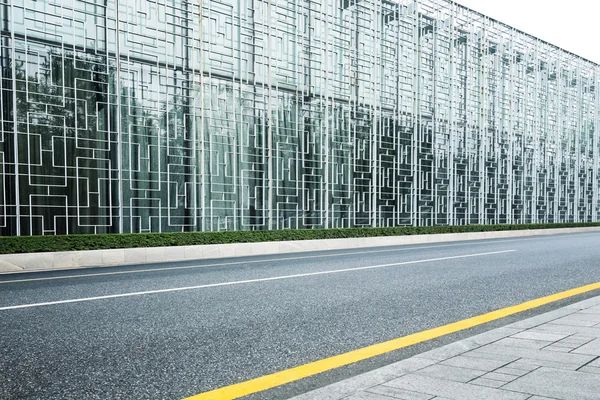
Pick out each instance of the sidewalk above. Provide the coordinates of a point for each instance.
(551, 356)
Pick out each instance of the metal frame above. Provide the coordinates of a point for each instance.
(176, 115)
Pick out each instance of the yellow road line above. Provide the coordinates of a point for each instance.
(303, 371)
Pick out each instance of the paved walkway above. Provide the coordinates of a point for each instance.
(551, 356)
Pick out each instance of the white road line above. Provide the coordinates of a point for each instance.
(146, 270)
(274, 278)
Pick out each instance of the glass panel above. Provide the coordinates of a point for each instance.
(145, 115)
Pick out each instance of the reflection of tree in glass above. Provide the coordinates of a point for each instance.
(63, 121)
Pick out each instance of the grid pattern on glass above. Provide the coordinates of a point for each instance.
(175, 115)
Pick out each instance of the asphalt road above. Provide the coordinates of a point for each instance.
(258, 315)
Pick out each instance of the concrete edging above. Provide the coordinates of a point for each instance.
(14, 263)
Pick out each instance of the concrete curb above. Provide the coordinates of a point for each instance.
(15, 263)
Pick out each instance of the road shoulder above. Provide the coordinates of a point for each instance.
(555, 355)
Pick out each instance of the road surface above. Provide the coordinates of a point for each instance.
(167, 331)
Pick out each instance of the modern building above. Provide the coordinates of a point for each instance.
(199, 115)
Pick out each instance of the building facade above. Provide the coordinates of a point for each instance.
(202, 115)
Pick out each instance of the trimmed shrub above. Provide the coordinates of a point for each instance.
(36, 244)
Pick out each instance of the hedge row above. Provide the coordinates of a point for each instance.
(34, 244)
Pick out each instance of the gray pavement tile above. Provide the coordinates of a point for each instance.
(572, 342)
(460, 347)
(591, 310)
(404, 367)
(452, 390)
(450, 373)
(595, 363)
(512, 371)
(366, 396)
(500, 376)
(550, 337)
(591, 348)
(552, 364)
(482, 364)
(583, 338)
(558, 349)
(367, 380)
(490, 356)
(587, 320)
(557, 329)
(523, 366)
(581, 305)
(572, 330)
(527, 343)
(540, 398)
(448, 351)
(487, 382)
(566, 345)
(347, 387)
(590, 370)
(399, 393)
(494, 335)
(542, 319)
(535, 354)
(558, 384)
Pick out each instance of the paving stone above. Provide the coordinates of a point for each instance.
(590, 370)
(366, 396)
(552, 364)
(591, 348)
(572, 330)
(463, 346)
(558, 349)
(573, 342)
(588, 320)
(405, 366)
(558, 384)
(399, 393)
(481, 364)
(540, 398)
(523, 366)
(594, 301)
(590, 310)
(582, 338)
(487, 382)
(500, 376)
(542, 319)
(348, 387)
(494, 335)
(535, 354)
(550, 337)
(570, 344)
(513, 371)
(557, 329)
(365, 381)
(448, 351)
(450, 373)
(490, 356)
(452, 390)
(527, 343)
(595, 363)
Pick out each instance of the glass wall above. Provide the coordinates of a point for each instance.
(176, 115)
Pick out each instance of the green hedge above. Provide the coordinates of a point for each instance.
(34, 244)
